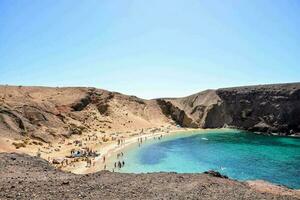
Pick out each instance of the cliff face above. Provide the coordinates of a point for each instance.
(274, 108)
(177, 115)
(266, 108)
(195, 107)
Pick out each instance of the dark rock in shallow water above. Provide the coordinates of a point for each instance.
(216, 174)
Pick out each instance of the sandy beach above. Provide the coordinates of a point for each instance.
(60, 152)
(110, 150)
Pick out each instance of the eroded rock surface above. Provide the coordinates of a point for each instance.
(48, 114)
(25, 177)
(265, 108)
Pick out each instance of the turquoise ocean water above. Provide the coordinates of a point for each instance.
(237, 154)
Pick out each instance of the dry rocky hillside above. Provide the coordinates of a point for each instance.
(50, 122)
(264, 108)
(46, 114)
(25, 177)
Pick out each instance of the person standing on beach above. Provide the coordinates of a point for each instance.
(88, 162)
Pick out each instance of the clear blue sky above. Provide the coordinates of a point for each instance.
(152, 48)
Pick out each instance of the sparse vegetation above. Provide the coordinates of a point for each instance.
(76, 130)
(37, 143)
(19, 145)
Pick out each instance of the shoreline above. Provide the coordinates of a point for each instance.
(108, 149)
(111, 149)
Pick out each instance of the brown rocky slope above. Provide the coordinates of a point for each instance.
(46, 114)
(263, 108)
(25, 177)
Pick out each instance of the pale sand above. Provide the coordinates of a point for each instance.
(264, 186)
(111, 149)
(60, 149)
(108, 149)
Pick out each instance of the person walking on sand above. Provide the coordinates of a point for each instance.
(115, 164)
(88, 162)
(123, 163)
(103, 159)
(119, 165)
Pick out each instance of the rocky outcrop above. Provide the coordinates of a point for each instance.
(25, 177)
(273, 108)
(266, 108)
(81, 103)
(196, 106)
(176, 114)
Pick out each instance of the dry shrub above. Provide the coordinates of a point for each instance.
(19, 145)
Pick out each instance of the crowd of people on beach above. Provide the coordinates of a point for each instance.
(89, 156)
(84, 152)
(64, 162)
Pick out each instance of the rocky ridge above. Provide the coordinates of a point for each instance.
(264, 108)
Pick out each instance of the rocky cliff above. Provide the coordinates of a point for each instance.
(264, 108)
